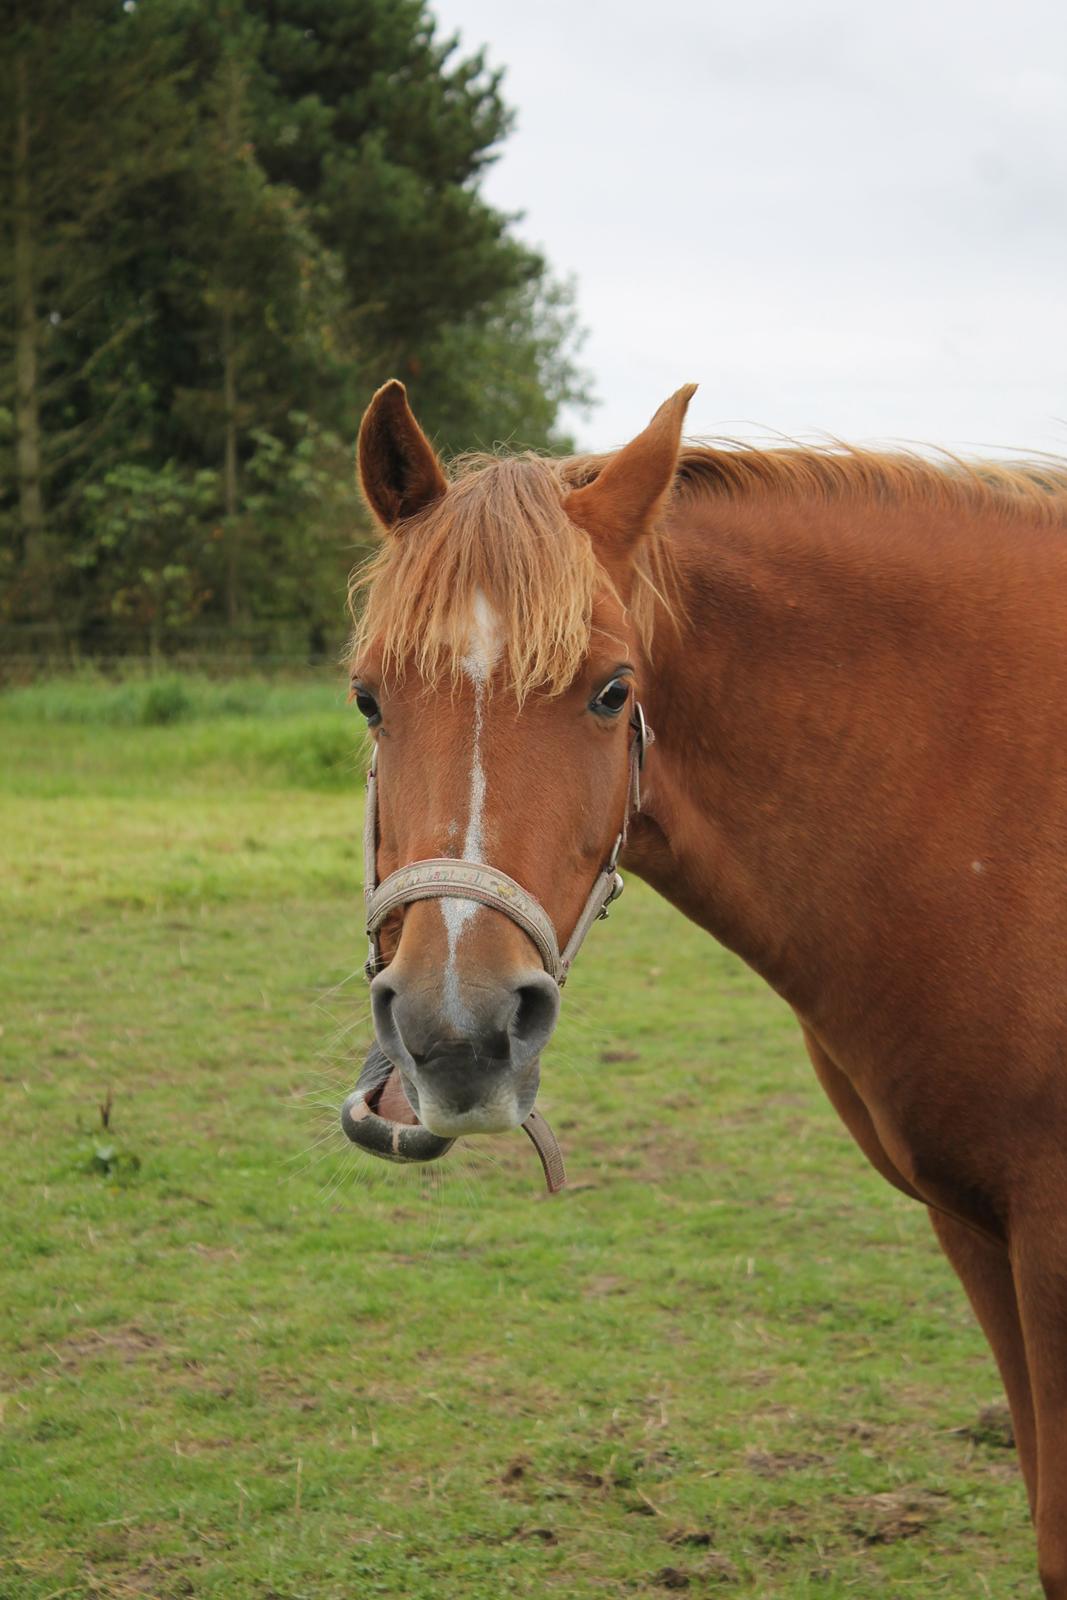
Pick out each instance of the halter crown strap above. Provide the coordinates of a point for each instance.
(441, 877)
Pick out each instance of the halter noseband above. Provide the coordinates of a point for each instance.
(442, 878)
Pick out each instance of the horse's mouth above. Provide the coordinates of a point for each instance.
(378, 1116)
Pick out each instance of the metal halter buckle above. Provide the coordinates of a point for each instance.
(616, 889)
(643, 734)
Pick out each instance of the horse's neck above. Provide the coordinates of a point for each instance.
(823, 696)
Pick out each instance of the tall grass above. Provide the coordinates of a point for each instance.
(68, 736)
(156, 701)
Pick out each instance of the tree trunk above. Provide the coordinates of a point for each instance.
(232, 135)
(36, 562)
(229, 474)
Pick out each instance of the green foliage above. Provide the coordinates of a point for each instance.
(108, 1160)
(165, 700)
(728, 1359)
(303, 483)
(222, 225)
(499, 378)
(145, 537)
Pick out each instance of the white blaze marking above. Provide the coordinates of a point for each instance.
(484, 644)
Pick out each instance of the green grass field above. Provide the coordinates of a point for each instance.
(242, 1361)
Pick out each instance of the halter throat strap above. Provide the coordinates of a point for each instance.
(438, 878)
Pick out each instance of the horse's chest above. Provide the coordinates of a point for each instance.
(944, 1147)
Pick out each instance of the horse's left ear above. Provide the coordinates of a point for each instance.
(398, 470)
(621, 505)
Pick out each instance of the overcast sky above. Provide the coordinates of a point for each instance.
(839, 219)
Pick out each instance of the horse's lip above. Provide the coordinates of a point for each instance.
(396, 1136)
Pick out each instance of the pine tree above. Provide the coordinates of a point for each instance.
(255, 287)
(88, 116)
(222, 223)
(386, 133)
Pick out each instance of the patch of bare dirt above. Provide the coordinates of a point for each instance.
(714, 1568)
(110, 1542)
(290, 1388)
(700, 1538)
(215, 1252)
(632, 1152)
(773, 1463)
(197, 1446)
(858, 1429)
(130, 1344)
(162, 1578)
(992, 1426)
(592, 1480)
(515, 1472)
(717, 1568)
(544, 1536)
(672, 1578)
(1003, 1471)
(889, 1518)
(597, 1288)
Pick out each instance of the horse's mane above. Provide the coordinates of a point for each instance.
(1033, 489)
(501, 531)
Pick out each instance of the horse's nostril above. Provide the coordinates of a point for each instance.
(382, 996)
(499, 1023)
(537, 1007)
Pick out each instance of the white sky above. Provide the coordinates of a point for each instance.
(838, 218)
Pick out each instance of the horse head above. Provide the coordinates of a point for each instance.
(498, 661)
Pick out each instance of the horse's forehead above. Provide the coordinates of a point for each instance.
(484, 642)
(486, 638)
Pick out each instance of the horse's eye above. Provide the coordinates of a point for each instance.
(367, 705)
(611, 699)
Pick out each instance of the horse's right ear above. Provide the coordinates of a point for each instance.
(398, 471)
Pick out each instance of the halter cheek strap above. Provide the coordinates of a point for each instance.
(443, 878)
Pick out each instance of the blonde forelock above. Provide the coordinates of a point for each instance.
(500, 532)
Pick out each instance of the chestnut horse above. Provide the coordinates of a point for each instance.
(855, 665)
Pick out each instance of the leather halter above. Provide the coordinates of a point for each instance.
(441, 877)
